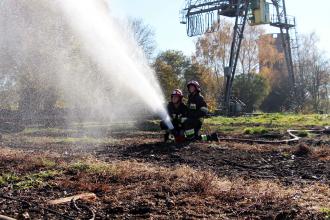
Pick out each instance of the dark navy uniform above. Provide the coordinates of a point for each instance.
(197, 109)
(178, 116)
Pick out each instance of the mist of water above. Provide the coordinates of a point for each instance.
(79, 50)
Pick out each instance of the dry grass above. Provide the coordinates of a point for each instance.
(195, 187)
(322, 153)
(302, 150)
(189, 190)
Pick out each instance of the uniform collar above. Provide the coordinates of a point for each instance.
(193, 94)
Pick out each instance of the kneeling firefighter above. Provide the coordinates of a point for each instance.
(197, 110)
(177, 110)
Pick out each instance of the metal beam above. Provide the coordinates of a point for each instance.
(240, 22)
(284, 25)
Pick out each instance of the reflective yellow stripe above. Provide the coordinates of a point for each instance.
(189, 132)
(193, 106)
(204, 137)
(204, 109)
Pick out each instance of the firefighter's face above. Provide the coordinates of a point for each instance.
(192, 89)
(175, 99)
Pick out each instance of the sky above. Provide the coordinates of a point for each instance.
(164, 17)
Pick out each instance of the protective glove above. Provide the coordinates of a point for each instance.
(183, 120)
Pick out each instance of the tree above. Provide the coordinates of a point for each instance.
(204, 75)
(170, 67)
(174, 70)
(36, 55)
(144, 35)
(252, 89)
(313, 75)
(24, 58)
(249, 54)
(272, 67)
(213, 49)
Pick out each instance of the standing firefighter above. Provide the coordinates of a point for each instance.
(177, 110)
(197, 110)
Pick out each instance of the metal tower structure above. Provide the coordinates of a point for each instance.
(285, 23)
(203, 16)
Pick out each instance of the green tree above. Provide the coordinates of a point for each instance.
(170, 67)
(252, 89)
(29, 83)
(207, 79)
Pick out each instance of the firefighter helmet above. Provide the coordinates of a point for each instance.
(177, 92)
(194, 83)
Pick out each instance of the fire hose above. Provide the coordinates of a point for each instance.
(293, 137)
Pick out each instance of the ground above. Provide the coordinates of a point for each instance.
(134, 175)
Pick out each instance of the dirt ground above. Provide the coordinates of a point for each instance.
(135, 175)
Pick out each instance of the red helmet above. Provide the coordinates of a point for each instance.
(194, 83)
(177, 92)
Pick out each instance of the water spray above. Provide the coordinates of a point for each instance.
(166, 118)
(118, 56)
(77, 48)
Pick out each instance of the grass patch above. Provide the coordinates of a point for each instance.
(278, 119)
(302, 134)
(48, 163)
(256, 130)
(35, 130)
(278, 122)
(95, 167)
(326, 211)
(8, 178)
(28, 181)
(36, 179)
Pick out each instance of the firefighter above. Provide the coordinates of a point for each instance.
(197, 110)
(177, 110)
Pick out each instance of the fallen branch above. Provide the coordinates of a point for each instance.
(3, 217)
(83, 196)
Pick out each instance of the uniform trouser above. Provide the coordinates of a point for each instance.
(190, 131)
(192, 127)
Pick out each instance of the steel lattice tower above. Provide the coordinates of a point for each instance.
(203, 16)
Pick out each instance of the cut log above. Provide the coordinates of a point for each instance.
(2, 217)
(89, 197)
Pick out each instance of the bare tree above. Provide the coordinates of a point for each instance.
(249, 54)
(313, 74)
(144, 34)
(213, 49)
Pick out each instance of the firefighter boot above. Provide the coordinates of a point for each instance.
(166, 137)
(212, 137)
(169, 137)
